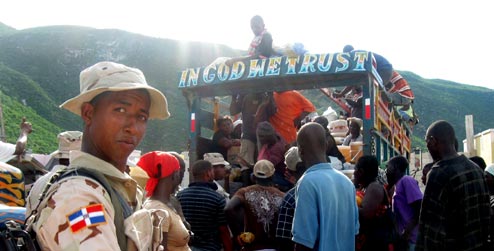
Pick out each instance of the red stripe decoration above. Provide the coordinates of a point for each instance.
(367, 109)
(193, 122)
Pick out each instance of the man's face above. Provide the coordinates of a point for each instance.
(210, 175)
(226, 127)
(219, 172)
(257, 27)
(391, 174)
(116, 124)
(431, 143)
(354, 129)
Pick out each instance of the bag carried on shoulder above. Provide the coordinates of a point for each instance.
(14, 237)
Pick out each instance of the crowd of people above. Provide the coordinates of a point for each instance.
(292, 187)
(292, 195)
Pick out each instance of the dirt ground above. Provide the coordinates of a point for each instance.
(417, 174)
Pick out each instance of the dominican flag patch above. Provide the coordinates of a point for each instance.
(87, 216)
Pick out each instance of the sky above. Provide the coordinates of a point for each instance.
(436, 39)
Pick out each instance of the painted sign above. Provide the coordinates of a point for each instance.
(253, 69)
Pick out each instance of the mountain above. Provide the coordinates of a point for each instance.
(39, 69)
(437, 99)
(52, 58)
(5, 29)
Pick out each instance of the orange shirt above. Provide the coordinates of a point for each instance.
(289, 106)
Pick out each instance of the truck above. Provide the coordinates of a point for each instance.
(385, 134)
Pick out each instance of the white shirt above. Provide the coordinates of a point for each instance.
(7, 151)
(222, 191)
(349, 139)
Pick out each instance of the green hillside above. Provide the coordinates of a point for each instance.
(40, 68)
(43, 139)
(437, 99)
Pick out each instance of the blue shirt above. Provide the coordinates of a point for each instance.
(326, 210)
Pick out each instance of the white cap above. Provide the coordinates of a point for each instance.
(292, 158)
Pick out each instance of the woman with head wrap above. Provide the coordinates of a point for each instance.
(163, 170)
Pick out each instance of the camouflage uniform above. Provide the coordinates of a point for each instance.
(56, 228)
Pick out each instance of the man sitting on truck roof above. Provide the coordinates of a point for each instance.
(262, 44)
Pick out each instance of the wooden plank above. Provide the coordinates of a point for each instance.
(470, 151)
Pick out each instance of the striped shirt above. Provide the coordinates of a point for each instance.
(203, 208)
(455, 208)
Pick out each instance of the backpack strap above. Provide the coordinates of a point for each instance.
(120, 206)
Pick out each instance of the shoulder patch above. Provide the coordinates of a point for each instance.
(84, 217)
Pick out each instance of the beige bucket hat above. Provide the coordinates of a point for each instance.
(216, 159)
(67, 141)
(110, 76)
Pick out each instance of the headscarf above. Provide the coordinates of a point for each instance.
(157, 165)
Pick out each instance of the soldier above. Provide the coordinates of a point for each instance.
(92, 212)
